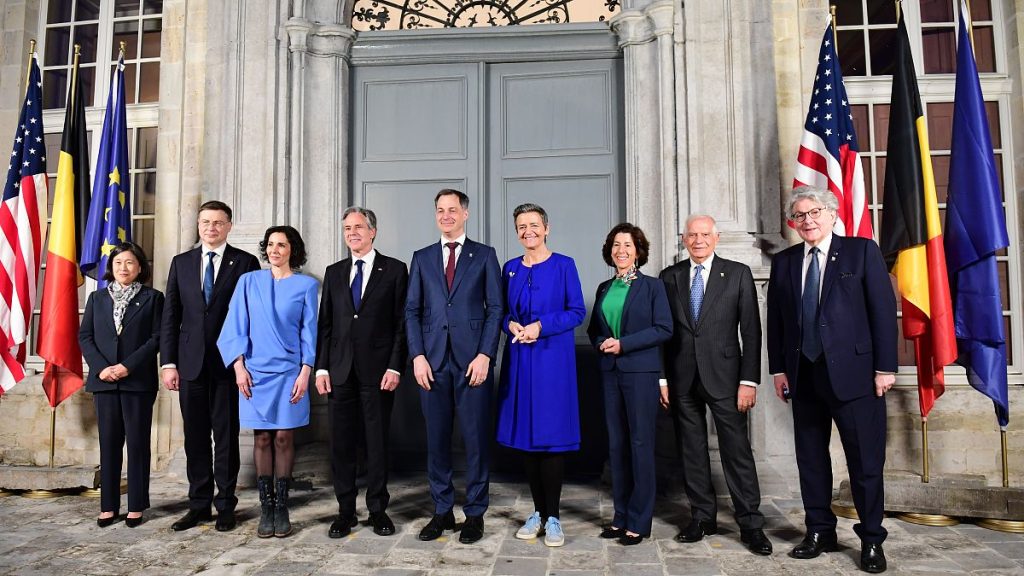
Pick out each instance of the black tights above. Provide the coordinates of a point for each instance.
(274, 452)
(545, 472)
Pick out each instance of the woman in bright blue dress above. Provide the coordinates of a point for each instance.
(269, 337)
(538, 411)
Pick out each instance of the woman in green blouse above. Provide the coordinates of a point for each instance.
(630, 321)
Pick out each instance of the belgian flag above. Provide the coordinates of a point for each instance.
(911, 233)
(58, 319)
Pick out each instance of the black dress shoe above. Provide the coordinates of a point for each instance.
(627, 540)
(813, 544)
(225, 521)
(437, 525)
(342, 526)
(756, 542)
(133, 522)
(191, 519)
(612, 533)
(696, 531)
(872, 558)
(382, 524)
(104, 522)
(472, 529)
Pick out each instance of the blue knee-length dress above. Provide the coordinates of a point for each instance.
(272, 323)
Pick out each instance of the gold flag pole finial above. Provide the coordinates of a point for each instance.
(124, 48)
(970, 23)
(899, 4)
(28, 67)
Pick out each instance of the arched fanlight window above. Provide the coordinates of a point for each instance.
(412, 14)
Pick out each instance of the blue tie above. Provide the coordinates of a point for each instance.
(696, 292)
(357, 286)
(208, 278)
(811, 344)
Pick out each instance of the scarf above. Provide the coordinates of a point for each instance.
(628, 276)
(122, 295)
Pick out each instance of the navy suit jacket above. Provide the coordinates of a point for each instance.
(469, 315)
(646, 324)
(135, 347)
(190, 326)
(856, 316)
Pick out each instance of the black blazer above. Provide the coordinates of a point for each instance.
(646, 324)
(372, 339)
(190, 327)
(135, 347)
(711, 346)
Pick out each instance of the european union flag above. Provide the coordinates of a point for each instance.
(975, 230)
(110, 213)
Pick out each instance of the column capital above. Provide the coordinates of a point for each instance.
(662, 16)
(333, 40)
(632, 27)
(298, 32)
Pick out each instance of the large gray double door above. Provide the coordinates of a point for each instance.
(505, 134)
(544, 132)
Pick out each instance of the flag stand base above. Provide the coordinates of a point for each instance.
(40, 494)
(1014, 526)
(5, 493)
(928, 519)
(95, 492)
(844, 511)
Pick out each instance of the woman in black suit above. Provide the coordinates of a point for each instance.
(120, 335)
(630, 321)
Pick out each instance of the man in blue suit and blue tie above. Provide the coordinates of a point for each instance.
(453, 315)
(832, 349)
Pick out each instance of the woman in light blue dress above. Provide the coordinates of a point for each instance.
(269, 337)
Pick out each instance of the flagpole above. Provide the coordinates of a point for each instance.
(74, 72)
(835, 35)
(898, 5)
(924, 449)
(970, 23)
(1006, 466)
(28, 67)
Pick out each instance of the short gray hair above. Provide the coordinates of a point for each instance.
(530, 207)
(824, 197)
(371, 218)
(692, 217)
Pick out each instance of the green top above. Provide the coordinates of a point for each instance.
(612, 305)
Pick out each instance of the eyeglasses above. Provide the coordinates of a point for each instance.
(813, 213)
(213, 223)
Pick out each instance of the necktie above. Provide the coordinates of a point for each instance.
(696, 292)
(811, 337)
(357, 286)
(208, 277)
(449, 269)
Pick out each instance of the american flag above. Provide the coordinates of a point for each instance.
(828, 150)
(23, 225)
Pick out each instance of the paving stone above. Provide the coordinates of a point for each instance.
(508, 566)
(636, 570)
(575, 560)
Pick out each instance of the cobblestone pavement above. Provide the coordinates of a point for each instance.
(60, 537)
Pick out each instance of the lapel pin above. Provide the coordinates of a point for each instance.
(511, 274)
(722, 274)
(231, 262)
(470, 254)
(833, 258)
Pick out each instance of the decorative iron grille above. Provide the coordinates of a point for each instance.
(411, 14)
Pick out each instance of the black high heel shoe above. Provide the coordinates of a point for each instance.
(104, 522)
(133, 522)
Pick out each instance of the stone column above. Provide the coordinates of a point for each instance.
(650, 125)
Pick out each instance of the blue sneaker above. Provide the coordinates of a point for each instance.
(553, 533)
(531, 529)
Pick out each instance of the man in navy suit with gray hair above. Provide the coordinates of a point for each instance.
(832, 349)
(453, 315)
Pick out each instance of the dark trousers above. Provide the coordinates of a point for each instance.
(630, 411)
(451, 396)
(124, 418)
(210, 405)
(734, 447)
(360, 409)
(861, 423)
